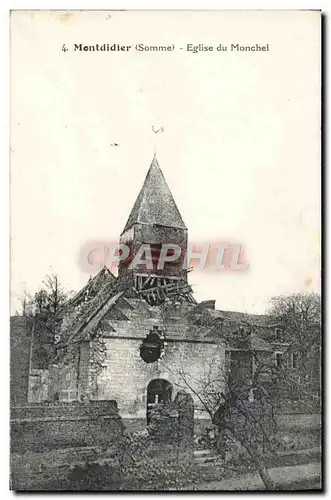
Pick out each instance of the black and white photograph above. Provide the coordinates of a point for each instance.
(165, 251)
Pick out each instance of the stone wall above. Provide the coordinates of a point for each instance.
(20, 346)
(125, 376)
(63, 381)
(69, 380)
(173, 422)
(42, 427)
(38, 386)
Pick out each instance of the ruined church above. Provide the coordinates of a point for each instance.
(137, 336)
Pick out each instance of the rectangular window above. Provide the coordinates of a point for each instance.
(294, 359)
(279, 359)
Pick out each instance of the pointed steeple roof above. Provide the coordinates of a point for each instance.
(155, 203)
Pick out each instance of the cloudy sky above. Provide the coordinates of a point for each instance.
(240, 148)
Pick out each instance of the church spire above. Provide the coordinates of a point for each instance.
(155, 204)
(154, 221)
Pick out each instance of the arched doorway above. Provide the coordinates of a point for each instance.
(159, 391)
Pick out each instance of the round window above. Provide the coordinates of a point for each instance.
(152, 346)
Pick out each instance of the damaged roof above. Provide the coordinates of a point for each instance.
(128, 313)
(93, 286)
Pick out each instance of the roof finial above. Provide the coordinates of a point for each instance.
(160, 129)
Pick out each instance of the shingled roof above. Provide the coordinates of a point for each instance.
(155, 203)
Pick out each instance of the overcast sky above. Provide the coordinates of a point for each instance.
(240, 149)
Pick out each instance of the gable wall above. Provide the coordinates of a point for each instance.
(126, 376)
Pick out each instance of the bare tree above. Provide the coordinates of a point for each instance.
(26, 305)
(49, 305)
(244, 408)
(242, 411)
(298, 318)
